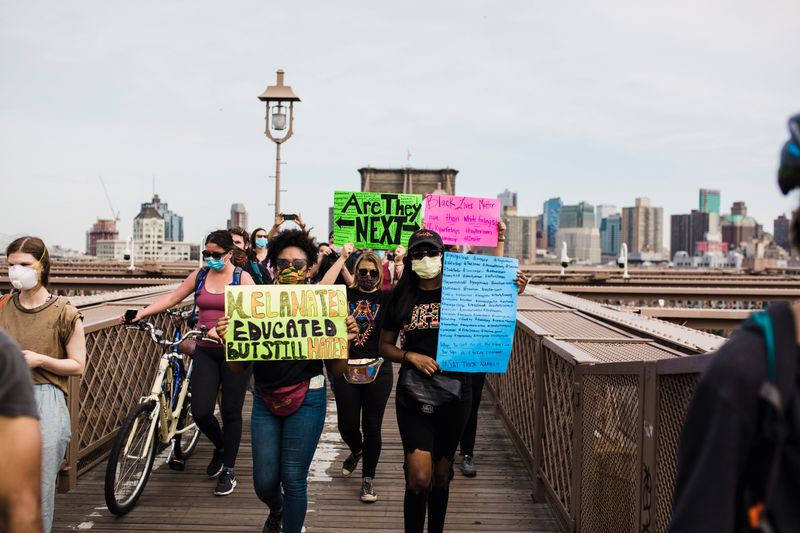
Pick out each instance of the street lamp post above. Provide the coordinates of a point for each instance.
(278, 98)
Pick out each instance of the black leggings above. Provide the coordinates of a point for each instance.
(468, 438)
(209, 371)
(367, 402)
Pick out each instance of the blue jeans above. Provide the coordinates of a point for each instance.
(283, 448)
(56, 432)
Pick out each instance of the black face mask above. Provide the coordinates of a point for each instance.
(366, 283)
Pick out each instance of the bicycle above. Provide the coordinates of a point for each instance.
(162, 418)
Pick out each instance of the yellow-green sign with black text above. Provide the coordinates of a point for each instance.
(377, 220)
(286, 322)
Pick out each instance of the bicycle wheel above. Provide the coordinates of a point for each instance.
(187, 442)
(131, 460)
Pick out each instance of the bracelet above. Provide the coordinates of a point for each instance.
(501, 240)
(404, 356)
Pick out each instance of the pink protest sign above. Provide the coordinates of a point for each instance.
(463, 220)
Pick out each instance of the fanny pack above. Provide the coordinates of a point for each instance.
(362, 371)
(284, 401)
(431, 392)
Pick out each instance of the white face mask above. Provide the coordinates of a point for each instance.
(427, 267)
(23, 277)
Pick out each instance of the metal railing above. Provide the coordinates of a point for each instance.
(120, 365)
(598, 409)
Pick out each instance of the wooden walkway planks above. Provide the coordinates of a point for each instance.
(497, 500)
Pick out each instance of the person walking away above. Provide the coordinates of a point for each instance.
(20, 443)
(210, 371)
(50, 332)
(361, 399)
(739, 452)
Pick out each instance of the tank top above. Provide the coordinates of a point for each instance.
(210, 308)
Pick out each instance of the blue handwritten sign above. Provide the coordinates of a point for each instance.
(478, 314)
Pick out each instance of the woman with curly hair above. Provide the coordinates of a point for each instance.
(289, 402)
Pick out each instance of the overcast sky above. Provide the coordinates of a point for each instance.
(595, 101)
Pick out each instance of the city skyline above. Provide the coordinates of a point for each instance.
(646, 111)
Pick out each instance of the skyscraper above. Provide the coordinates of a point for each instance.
(507, 199)
(709, 201)
(688, 230)
(173, 223)
(780, 232)
(577, 216)
(102, 230)
(238, 217)
(610, 236)
(738, 228)
(520, 235)
(551, 213)
(642, 227)
(604, 211)
(583, 244)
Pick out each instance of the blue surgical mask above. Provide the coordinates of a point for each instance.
(215, 264)
(261, 243)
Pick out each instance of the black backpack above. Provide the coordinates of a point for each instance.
(776, 395)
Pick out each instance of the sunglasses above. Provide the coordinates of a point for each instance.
(421, 254)
(299, 264)
(215, 255)
(371, 272)
(261, 236)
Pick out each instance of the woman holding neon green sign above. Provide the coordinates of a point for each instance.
(289, 402)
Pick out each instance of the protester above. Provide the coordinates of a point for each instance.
(739, 453)
(430, 435)
(393, 267)
(284, 442)
(50, 332)
(245, 258)
(20, 444)
(209, 370)
(258, 243)
(477, 379)
(360, 406)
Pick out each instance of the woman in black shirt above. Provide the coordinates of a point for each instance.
(284, 443)
(360, 406)
(430, 434)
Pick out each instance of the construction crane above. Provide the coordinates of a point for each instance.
(114, 214)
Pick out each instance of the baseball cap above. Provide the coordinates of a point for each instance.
(425, 236)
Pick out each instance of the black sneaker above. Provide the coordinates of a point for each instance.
(273, 523)
(368, 491)
(350, 464)
(215, 466)
(226, 483)
(467, 466)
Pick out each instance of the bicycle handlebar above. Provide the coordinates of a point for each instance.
(157, 334)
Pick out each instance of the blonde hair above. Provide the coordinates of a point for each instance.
(375, 260)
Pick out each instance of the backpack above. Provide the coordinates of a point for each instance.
(256, 271)
(199, 282)
(776, 393)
